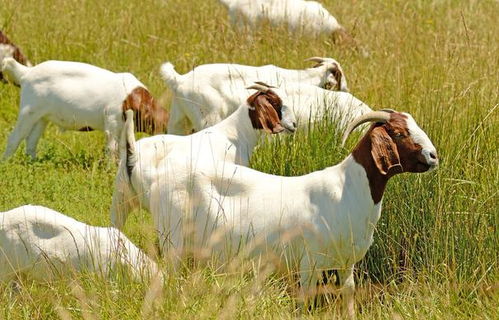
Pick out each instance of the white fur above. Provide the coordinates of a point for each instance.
(312, 104)
(41, 243)
(320, 221)
(6, 51)
(306, 17)
(231, 140)
(209, 93)
(420, 137)
(72, 95)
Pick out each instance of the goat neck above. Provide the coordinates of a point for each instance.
(362, 154)
(239, 131)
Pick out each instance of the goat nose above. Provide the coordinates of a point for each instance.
(294, 124)
(433, 155)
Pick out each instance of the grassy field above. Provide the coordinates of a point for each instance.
(436, 248)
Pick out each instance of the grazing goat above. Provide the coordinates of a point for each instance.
(42, 243)
(78, 96)
(209, 93)
(311, 104)
(304, 17)
(332, 212)
(9, 49)
(231, 140)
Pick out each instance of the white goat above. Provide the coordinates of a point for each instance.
(231, 140)
(42, 243)
(9, 49)
(311, 104)
(78, 96)
(209, 93)
(304, 17)
(332, 212)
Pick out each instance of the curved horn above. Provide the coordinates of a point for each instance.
(388, 110)
(259, 87)
(264, 84)
(316, 59)
(378, 116)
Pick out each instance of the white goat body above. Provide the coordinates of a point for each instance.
(42, 243)
(311, 104)
(77, 96)
(231, 140)
(332, 213)
(209, 93)
(305, 17)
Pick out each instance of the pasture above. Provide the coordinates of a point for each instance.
(436, 248)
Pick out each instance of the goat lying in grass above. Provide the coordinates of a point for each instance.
(211, 92)
(332, 212)
(42, 243)
(231, 140)
(78, 96)
(10, 50)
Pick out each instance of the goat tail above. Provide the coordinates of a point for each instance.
(171, 77)
(14, 70)
(127, 144)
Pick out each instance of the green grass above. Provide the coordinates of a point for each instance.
(436, 248)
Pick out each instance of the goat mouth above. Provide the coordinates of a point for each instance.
(289, 128)
(423, 166)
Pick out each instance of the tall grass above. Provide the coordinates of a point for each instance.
(436, 248)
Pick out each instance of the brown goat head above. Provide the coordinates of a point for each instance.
(265, 111)
(148, 116)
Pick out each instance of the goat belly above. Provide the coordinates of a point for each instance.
(80, 124)
(86, 129)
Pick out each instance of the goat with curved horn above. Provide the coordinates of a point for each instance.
(335, 232)
(378, 116)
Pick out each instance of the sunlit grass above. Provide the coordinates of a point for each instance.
(436, 248)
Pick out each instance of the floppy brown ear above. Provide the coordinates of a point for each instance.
(264, 116)
(384, 151)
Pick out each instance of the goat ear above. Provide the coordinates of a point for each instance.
(264, 116)
(384, 151)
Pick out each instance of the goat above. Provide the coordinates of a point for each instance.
(42, 243)
(209, 93)
(78, 96)
(331, 212)
(9, 49)
(303, 17)
(231, 140)
(311, 104)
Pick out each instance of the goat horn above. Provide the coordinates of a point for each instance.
(316, 59)
(259, 87)
(378, 116)
(388, 110)
(264, 84)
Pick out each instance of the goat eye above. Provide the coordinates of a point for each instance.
(398, 135)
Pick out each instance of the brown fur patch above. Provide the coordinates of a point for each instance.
(17, 55)
(385, 150)
(148, 116)
(265, 112)
(335, 70)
